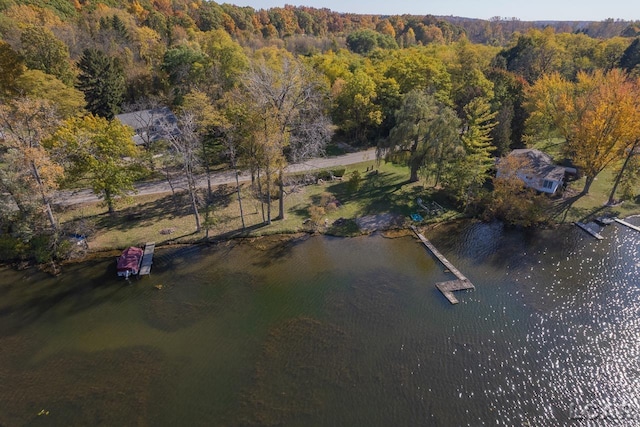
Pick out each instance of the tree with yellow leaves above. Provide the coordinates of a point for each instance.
(99, 151)
(598, 115)
(27, 172)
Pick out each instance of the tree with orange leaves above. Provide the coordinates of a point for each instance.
(598, 115)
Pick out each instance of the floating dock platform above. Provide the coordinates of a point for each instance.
(147, 259)
(626, 224)
(447, 288)
(588, 228)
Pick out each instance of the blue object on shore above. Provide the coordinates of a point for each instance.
(416, 217)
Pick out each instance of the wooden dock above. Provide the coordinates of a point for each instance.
(147, 258)
(589, 230)
(447, 288)
(626, 224)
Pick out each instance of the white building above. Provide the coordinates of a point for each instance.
(538, 171)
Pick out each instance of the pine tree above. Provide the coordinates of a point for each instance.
(102, 81)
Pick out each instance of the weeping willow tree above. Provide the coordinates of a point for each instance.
(425, 138)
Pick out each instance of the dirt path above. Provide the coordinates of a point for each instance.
(67, 198)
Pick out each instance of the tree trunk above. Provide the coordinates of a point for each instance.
(281, 201)
(194, 204)
(587, 185)
(207, 169)
(109, 200)
(47, 207)
(45, 202)
(239, 198)
(268, 196)
(621, 173)
(414, 174)
(414, 165)
(260, 196)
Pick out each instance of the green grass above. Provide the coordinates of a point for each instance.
(586, 207)
(145, 218)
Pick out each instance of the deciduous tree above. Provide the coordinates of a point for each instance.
(598, 115)
(27, 171)
(510, 200)
(43, 51)
(356, 110)
(99, 151)
(186, 146)
(287, 99)
(12, 66)
(36, 84)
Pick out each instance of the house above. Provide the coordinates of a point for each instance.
(150, 125)
(538, 171)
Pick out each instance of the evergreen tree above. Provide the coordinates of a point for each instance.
(102, 81)
(466, 176)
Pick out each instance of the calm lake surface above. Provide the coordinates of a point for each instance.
(328, 331)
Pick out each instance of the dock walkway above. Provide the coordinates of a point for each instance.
(625, 223)
(589, 229)
(447, 288)
(147, 258)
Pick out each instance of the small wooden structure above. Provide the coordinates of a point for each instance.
(147, 258)
(589, 229)
(626, 224)
(447, 288)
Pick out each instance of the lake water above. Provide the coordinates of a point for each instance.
(328, 331)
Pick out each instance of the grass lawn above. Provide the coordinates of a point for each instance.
(167, 219)
(592, 205)
(384, 188)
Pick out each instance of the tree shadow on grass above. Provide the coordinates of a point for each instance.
(377, 193)
(385, 192)
(561, 208)
(146, 214)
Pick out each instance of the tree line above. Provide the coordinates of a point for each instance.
(258, 89)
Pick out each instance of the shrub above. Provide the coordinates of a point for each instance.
(317, 214)
(355, 181)
(339, 172)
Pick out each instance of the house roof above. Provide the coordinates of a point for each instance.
(150, 125)
(541, 164)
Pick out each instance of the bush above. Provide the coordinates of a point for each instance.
(10, 248)
(339, 172)
(317, 214)
(331, 207)
(355, 181)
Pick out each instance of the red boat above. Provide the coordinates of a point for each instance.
(129, 262)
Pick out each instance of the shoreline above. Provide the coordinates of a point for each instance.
(267, 240)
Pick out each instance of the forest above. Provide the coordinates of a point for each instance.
(256, 90)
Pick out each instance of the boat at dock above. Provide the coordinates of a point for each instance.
(129, 262)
